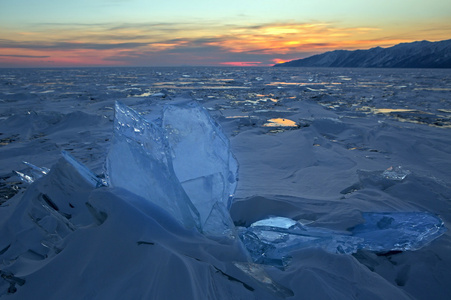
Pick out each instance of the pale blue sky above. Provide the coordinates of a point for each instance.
(28, 12)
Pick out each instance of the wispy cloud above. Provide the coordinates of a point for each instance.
(184, 43)
(25, 56)
(67, 45)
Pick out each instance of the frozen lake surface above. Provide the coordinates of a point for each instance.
(319, 146)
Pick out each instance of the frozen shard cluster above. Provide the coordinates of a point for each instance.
(184, 166)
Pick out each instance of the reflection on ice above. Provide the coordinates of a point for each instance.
(280, 122)
(391, 110)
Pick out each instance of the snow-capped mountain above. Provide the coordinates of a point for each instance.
(421, 54)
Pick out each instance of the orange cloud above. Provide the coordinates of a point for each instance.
(250, 45)
(291, 38)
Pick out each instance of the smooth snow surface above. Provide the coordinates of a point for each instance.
(67, 236)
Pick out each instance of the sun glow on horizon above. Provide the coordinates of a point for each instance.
(279, 60)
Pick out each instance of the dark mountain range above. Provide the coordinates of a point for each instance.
(423, 54)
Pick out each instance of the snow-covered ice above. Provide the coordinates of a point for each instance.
(369, 152)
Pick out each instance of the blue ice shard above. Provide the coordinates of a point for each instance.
(203, 163)
(36, 173)
(398, 231)
(139, 161)
(270, 241)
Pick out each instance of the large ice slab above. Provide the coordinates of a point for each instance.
(200, 149)
(270, 241)
(203, 162)
(139, 161)
(184, 166)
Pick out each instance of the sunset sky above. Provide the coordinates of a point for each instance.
(51, 33)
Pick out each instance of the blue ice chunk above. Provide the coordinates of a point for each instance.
(395, 173)
(202, 161)
(139, 161)
(398, 231)
(270, 241)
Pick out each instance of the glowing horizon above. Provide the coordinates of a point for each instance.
(200, 33)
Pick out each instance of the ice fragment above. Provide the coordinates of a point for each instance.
(396, 173)
(270, 241)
